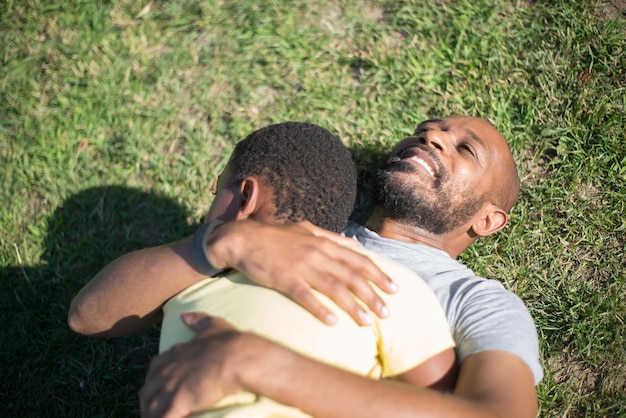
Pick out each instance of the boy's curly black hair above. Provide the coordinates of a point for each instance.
(310, 170)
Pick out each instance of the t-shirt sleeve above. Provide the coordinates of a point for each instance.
(416, 328)
(493, 318)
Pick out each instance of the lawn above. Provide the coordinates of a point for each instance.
(117, 116)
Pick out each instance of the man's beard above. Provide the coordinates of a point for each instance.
(448, 207)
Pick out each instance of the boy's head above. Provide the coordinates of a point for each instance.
(288, 172)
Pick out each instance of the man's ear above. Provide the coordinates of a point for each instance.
(249, 197)
(491, 221)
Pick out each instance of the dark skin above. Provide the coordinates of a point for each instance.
(220, 361)
(252, 199)
(472, 164)
(490, 383)
(102, 307)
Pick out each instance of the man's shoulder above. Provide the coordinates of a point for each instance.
(380, 245)
(394, 269)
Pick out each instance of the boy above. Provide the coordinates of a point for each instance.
(286, 173)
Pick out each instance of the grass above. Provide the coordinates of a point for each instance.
(116, 116)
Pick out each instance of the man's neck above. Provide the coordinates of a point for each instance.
(401, 231)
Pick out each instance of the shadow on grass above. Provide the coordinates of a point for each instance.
(47, 370)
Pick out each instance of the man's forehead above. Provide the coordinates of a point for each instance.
(436, 121)
(457, 119)
(476, 127)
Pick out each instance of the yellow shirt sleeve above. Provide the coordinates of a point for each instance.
(417, 328)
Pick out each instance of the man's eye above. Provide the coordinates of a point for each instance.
(468, 149)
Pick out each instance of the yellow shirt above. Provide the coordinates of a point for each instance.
(415, 330)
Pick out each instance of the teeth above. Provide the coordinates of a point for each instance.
(424, 164)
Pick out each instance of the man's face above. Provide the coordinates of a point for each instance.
(439, 178)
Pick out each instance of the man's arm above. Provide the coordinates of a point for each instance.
(127, 295)
(221, 361)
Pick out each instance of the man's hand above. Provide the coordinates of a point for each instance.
(298, 258)
(191, 377)
(221, 361)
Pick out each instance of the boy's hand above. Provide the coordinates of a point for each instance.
(297, 258)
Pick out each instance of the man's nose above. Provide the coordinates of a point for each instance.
(436, 139)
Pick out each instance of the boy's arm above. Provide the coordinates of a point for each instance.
(438, 372)
(221, 361)
(127, 295)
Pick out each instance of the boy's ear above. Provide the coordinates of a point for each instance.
(491, 221)
(249, 197)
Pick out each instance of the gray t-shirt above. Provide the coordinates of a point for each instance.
(482, 314)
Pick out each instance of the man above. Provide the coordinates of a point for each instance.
(459, 179)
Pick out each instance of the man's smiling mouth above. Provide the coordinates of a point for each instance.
(421, 158)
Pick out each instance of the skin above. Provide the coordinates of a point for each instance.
(253, 200)
(104, 308)
(471, 153)
(491, 384)
(221, 361)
